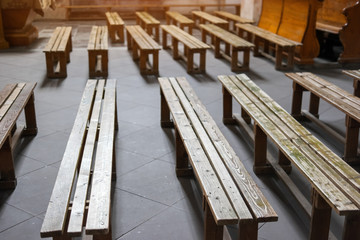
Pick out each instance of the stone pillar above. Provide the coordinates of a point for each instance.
(251, 9)
(3, 43)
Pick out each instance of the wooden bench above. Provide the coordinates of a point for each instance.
(204, 17)
(149, 23)
(192, 45)
(236, 43)
(263, 39)
(57, 52)
(98, 52)
(115, 27)
(341, 99)
(14, 98)
(232, 19)
(143, 45)
(179, 20)
(82, 192)
(335, 185)
(230, 195)
(355, 74)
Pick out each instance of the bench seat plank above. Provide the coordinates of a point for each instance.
(221, 207)
(98, 219)
(259, 206)
(55, 218)
(98, 52)
(148, 23)
(82, 186)
(177, 18)
(206, 17)
(10, 99)
(115, 26)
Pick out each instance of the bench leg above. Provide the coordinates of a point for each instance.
(7, 169)
(175, 44)
(143, 60)
(49, 64)
(157, 34)
(155, 67)
(227, 49)
(62, 61)
(290, 58)
(278, 57)
(217, 47)
(211, 230)
(351, 227)
(356, 87)
(104, 64)
(227, 107)
(164, 40)
(120, 32)
(248, 231)
(92, 63)
(203, 35)
(256, 48)
(351, 140)
(190, 61)
(297, 101)
(314, 105)
(320, 218)
(260, 147)
(182, 159)
(129, 40)
(284, 162)
(30, 117)
(165, 120)
(246, 61)
(202, 60)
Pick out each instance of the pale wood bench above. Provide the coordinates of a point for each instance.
(339, 98)
(14, 98)
(84, 170)
(142, 44)
(149, 23)
(98, 52)
(57, 52)
(115, 27)
(264, 40)
(232, 41)
(230, 194)
(355, 74)
(192, 45)
(335, 185)
(179, 20)
(204, 17)
(232, 19)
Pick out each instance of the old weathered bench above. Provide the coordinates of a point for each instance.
(355, 74)
(335, 185)
(232, 19)
(14, 98)
(341, 99)
(204, 17)
(230, 194)
(233, 45)
(192, 45)
(149, 23)
(115, 27)
(263, 39)
(179, 20)
(143, 45)
(57, 52)
(98, 52)
(82, 192)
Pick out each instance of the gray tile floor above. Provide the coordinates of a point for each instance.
(149, 201)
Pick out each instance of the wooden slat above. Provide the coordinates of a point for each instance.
(352, 73)
(211, 18)
(215, 159)
(92, 38)
(259, 206)
(56, 214)
(5, 92)
(52, 39)
(147, 18)
(233, 17)
(188, 40)
(220, 206)
(64, 39)
(142, 38)
(98, 219)
(179, 17)
(318, 180)
(10, 100)
(55, 47)
(78, 207)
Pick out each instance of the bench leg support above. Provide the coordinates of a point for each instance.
(248, 231)
(211, 230)
(227, 107)
(314, 105)
(320, 218)
(260, 147)
(351, 227)
(297, 101)
(7, 170)
(284, 162)
(182, 160)
(30, 117)
(165, 120)
(351, 140)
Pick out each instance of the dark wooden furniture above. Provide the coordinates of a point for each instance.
(82, 171)
(230, 195)
(149, 24)
(201, 17)
(98, 52)
(339, 98)
(57, 52)
(179, 20)
(335, 185)
(142, 45)
(14, 99)
(115, 27)
(233, 45)
(267, 42)
(192, 45)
